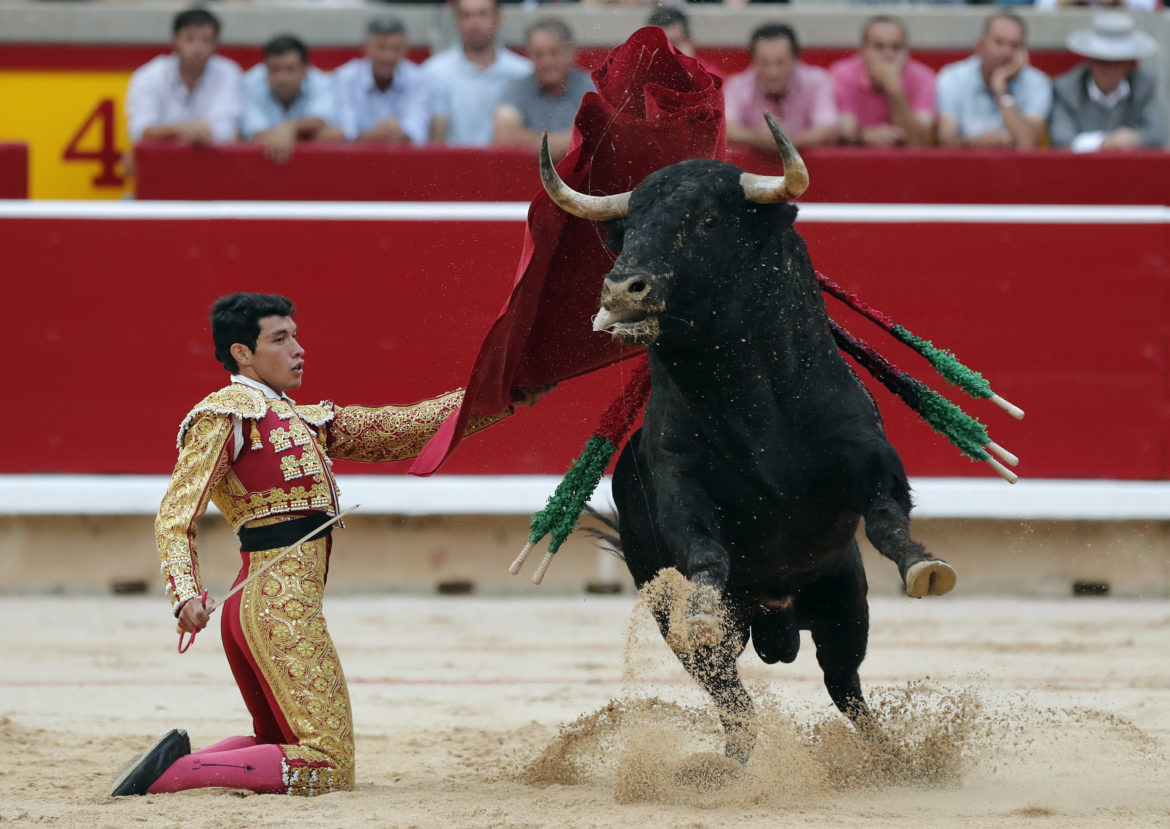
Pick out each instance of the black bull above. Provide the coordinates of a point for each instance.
(760, 450)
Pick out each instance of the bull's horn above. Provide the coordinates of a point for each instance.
(771, 189)
(597, 208)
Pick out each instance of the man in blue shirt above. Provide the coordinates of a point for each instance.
(467, 79)
(383, 96)
(994, 98)
(286, 100)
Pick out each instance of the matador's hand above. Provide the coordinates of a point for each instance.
(528, 395)
(194, 615)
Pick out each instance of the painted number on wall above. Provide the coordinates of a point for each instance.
(102, 122)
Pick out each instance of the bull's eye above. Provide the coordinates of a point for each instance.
(711, 221)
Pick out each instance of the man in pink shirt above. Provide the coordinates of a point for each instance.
(885, 97)
(798, 96)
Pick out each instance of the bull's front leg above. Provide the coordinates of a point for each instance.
(688, 527)
(706, 631)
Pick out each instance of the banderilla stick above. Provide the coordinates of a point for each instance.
(295, 545)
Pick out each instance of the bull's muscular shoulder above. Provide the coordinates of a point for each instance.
(236, 399)
(316, 415)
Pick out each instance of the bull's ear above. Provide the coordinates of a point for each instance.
(617, 234)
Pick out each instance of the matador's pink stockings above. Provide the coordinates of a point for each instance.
(254, 767)
(232, 743)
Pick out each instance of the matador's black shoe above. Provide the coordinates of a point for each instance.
(137, 775)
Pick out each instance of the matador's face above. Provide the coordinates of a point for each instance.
(278, 361)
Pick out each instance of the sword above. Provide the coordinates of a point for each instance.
(296, 544)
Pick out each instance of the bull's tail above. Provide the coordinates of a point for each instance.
(609, 534)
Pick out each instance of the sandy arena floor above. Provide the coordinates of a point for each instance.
(570, 712)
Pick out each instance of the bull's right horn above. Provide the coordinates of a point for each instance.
(771, 189)
(597, 208)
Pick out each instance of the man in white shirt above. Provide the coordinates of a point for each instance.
(383, 96)
(467, 79)
(192, 95)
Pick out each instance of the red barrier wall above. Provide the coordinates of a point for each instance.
(358, 172)
(108, 344)
(336, 172)
(13, 171)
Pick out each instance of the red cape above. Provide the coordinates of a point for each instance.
(653, 107)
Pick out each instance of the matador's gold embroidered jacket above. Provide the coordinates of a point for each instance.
(281, 465)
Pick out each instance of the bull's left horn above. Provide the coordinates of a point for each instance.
(771, 189)
(597, 208)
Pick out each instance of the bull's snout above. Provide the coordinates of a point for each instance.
(621, 301)
(624, 288)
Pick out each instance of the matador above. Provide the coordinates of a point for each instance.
(265, 461)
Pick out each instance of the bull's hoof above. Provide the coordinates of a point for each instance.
(705, 630)
(930, 576)
(698, 630)
(707, 772)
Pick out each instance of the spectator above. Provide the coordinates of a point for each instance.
(1131, 5)
(677, 27)
(994, 98)
(886, 97)
(383, 96)
(799, 96)
(1108, 103)
(192, 95)
(548, 98)
(467, 79)
(287, 100)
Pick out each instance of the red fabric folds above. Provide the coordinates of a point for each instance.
(653, 107)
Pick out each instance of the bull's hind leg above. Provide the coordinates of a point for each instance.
(836, 612)
(887, 526)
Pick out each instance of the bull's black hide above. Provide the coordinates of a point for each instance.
(760, 449)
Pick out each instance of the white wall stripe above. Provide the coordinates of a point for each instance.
(267, 210)
(522, 495)
(518, 211)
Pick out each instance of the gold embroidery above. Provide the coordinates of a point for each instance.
(279, 439)
(236, 399)
(281, 407)
(203, 463)
(479, 422)
(290, 466)
(317, 415)
(257, 441)
(393, 433)
(311, 462)
(284, 627)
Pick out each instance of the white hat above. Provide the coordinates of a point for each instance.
(1113, 36)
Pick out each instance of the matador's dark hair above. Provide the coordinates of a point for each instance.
(235, 318)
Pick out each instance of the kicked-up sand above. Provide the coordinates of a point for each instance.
(571, 712)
